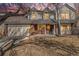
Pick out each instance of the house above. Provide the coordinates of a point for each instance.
(41, 22)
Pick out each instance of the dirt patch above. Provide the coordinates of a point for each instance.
(47, 46)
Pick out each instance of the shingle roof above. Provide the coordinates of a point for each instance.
(71, 8)
(15, 20)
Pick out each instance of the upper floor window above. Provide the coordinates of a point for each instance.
(35, 15)
(46, 16)
(39, 15)
(64, 16)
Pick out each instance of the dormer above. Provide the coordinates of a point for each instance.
(35, 14)
(48, 14)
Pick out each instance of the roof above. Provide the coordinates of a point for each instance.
(20, 20)
(3, 17)
(15, 20)
(71, 8)
(41, 21)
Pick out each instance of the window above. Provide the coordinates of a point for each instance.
(46, 16)
(65, 16)
(33, 15)
(39, 15)
(36, 15)
(48, 27)
(65, 29)
(42, 29)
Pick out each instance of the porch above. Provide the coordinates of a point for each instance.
(42, 29)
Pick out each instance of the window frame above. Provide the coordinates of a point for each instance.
(38, 13)
(45, 16)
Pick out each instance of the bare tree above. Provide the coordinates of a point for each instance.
(57, 17)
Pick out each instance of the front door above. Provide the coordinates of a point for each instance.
(51, 29)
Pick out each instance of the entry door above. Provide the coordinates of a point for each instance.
(35, 27)
(51, 29)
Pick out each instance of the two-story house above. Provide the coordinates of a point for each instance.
(41, 22)
(35, 22)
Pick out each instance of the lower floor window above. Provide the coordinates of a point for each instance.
(42, 29)
(66, 29)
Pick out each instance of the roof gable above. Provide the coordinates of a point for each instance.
(69, 7)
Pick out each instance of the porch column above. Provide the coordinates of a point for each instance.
(54, 30)
(45, 29)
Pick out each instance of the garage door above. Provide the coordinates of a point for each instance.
(18, 30)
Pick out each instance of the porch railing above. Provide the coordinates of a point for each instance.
(67, 21)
